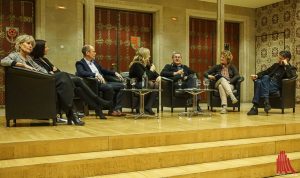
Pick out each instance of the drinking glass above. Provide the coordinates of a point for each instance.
(124, 81)
(206, 83)
(179, 83)
(133, 82)
(198, 83)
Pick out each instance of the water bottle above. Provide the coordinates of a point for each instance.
(195, 80)
(145, 80)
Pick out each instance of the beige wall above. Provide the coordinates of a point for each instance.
(65, 27)
(63, 31)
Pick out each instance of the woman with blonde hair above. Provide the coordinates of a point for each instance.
(137, 68)
(225, 75)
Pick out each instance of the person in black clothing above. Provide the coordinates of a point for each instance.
(179, 72)
(137, 68)
(269, 81)
(81, 89)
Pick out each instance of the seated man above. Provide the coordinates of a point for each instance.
(181, 74)
(269, 81)
(87, 67)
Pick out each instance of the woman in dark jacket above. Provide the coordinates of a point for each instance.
(137, 68)
(81, 89)
(225, 75)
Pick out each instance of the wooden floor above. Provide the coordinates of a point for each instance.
(32, 130)
(219, 145)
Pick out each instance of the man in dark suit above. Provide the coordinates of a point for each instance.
(180, 73)
(87, 67)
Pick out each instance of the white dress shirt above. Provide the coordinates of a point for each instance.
(92, 67)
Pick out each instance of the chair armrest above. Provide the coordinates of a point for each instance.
(92, 83)
(27, 73)
(288, 86)
(167, 86)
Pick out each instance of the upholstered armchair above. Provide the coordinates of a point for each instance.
(214, 100)
(171, 98)
(29, 95)
(285, 98)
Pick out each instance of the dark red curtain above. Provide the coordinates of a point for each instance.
(17, 18)
(114, 30)
(202, 46)
(232, 40)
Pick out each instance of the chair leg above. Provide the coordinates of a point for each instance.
(293, 110)
(207, 107)
(233, 109)
(185, 109)
(171, 109)
(7, 123)
(162, 109)
(54, 121)
(157, 109)
(211, 108)
(282, 111)
(239, 108)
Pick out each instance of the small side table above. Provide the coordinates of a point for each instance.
(141, 92)
(194, 92)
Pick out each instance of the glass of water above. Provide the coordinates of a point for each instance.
(206, 83)
(179, 82)
(133, 82)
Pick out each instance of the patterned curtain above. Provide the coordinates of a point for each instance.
(118, 33)
(232, 40)
(270, 21)
(16, 17)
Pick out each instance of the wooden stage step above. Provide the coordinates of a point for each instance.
(141, 159)
(262, 166)
(35, 148)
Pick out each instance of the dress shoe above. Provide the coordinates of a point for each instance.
(72, 117)
(199, 109)
(267, 107)
(253, 111)
(113, 113)
(149, 111)
(80, 114)
(100, 114)
(121, 113)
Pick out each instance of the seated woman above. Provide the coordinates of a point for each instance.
(81, 89)
(225, 75)
(137, 68)
(64, 86)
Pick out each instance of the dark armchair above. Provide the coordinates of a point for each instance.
(29, 95)
(170, 98)
(214, 100)
(285, 98)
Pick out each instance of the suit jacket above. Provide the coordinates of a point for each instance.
(169, 69)
(83, 69)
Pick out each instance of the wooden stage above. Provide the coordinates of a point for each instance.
(222, 145)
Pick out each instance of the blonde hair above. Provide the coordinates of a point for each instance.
(140, 55)
(228, 56)
(175, 52)
(23, 39)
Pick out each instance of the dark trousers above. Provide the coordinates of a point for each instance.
(112, 92)
(263, 87)
(85, 93)
(64, 90)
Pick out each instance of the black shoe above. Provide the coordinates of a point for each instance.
(80, 114)
(100, 114)
(72, 117)
(267, 107)
(199, 109)
(253, 111)
(149, 111)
